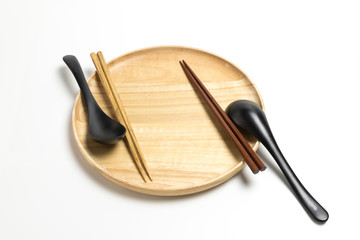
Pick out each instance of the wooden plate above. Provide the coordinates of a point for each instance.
(185, 147)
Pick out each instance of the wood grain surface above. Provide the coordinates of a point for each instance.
(185, 147)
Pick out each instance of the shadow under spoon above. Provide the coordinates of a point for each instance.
(101, 127)
(250, 117)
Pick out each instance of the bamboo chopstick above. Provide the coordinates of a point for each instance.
(250, 157)
(105, 77)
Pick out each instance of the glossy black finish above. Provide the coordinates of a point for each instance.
(101, 127)
(250, 117)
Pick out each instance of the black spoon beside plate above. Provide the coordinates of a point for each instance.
(250, 117)
(101, 127)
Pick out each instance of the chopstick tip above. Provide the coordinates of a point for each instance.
(92, 55)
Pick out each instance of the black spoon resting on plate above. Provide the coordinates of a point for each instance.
(101, 127)
(250, 117)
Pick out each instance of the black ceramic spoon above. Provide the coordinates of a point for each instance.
(249, 116)
(101, 128)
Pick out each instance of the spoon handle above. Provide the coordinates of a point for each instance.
(74, 65)
(309, 203)
(251, 117)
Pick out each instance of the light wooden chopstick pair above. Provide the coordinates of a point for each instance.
(106, 80)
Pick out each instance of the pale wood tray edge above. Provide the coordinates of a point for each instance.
(168, 192)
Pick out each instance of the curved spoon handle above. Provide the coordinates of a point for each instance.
(309, 203)
(251, 117)
(74, 65)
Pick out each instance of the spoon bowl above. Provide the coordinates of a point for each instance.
(250, 117)
(101, 127)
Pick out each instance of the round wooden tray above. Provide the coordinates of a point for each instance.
(185, 147)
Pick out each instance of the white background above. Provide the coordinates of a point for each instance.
(303, 56)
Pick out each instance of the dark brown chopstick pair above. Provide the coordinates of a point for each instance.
(250, 157)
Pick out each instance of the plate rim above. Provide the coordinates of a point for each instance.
(169, 192)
